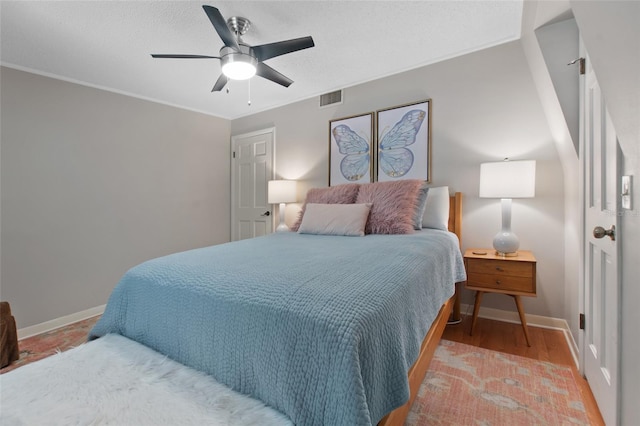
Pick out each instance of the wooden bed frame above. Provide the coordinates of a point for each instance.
(430, 343)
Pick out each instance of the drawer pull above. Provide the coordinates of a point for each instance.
(499, 269)
(498, 282)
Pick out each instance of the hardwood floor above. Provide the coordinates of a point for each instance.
(546, 345)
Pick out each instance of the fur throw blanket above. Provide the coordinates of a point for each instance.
(116, 381)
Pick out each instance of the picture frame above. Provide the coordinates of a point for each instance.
(351, 149)
(403, 142)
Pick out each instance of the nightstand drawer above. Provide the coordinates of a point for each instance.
(500, 267)
(501, 282)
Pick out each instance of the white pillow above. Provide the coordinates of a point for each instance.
(335, 219)
(436, 212)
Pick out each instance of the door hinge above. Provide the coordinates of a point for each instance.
(583, 65)
(582, 321)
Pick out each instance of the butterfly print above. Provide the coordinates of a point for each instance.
(394, 157)
(355, 148)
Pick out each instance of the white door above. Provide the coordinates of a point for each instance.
(600, 345)
(251, 169)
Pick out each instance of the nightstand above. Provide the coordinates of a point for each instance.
(488, 272)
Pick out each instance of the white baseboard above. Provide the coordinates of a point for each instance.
(532, 320)
(59, 322)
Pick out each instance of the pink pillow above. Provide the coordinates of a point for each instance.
(394, 204)
(340, 194)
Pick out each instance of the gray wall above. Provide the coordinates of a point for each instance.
(485, 107)
(93, 183)
(547, 59)
(559, 41)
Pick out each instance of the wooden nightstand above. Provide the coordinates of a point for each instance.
(491, 273)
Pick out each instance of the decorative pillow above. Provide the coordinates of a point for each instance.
(422, 205)
(335, 219)
(393, 205)
(436, 212)
(340, 194)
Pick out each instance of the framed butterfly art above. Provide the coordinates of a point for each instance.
(351, 149)
(404, 142)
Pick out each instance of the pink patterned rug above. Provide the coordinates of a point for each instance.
(59, 340)
(467, 385)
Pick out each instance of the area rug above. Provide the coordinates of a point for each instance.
(116, 381)
(467, 385)
(51, 342)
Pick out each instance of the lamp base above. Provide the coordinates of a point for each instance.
(283, 228)
(513, 254)
(506, 244)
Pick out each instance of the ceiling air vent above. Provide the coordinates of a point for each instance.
(333, 98)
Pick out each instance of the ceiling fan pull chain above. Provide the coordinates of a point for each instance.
(249, 102)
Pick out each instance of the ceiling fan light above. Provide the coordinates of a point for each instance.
(239, 67)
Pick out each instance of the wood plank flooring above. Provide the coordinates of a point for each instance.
(546, 345)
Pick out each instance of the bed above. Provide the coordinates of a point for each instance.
(326, 329)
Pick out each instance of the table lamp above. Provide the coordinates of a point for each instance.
(281, 192)
(506, 180)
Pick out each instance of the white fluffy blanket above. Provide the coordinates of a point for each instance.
(116, 381)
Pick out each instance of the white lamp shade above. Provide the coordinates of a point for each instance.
(508, 179)
(282, 191)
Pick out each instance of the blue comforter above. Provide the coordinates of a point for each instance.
(322, 328)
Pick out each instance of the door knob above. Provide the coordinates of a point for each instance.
(600, 232)
(267, 213)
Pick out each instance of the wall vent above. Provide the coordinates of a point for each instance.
(333, 98)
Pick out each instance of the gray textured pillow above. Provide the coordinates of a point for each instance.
(420, 208)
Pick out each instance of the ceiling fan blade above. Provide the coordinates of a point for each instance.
(179, 56)
(221, 27)
(271, 50)
(220, 83)
(265, 71)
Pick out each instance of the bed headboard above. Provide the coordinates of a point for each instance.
(455, 215)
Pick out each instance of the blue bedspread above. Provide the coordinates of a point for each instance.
(322, 328)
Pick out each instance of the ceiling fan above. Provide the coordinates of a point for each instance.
(239, 60)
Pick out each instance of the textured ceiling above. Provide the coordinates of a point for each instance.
(107, 44)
